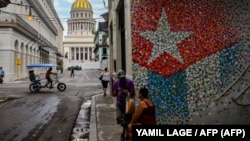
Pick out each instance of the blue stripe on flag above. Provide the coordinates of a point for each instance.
(169, 96)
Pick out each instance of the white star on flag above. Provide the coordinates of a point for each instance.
(164, 39)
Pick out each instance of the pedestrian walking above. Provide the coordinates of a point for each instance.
(2, 73)
(72, 74)
(122, 88)
(105, 77)
(145, 112)
(61, 70)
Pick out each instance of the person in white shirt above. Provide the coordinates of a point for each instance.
(105, 80)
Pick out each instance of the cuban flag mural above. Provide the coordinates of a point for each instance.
(194, 57)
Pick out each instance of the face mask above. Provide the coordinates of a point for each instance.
(122, 80)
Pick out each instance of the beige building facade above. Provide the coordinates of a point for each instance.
(25, 41)
(120, 36)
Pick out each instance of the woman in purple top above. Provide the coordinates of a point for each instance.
(122, 88)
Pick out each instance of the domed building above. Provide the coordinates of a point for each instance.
(79, 42)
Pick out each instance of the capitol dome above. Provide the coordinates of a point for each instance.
(81, 21)
(81, 4)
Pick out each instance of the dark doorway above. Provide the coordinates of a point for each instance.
(123, 43)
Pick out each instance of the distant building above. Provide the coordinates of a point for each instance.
(102, 43)
(79, 42)
(24, 41)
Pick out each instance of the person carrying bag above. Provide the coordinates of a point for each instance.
(100, 77)
(121, 89)
(105, 78)
(129, 105)
(144, 114)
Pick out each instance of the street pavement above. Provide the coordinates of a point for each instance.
(103, 126)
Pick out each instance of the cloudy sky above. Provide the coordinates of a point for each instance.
(63, 8)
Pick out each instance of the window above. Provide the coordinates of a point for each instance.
(81, 52)
(104, 51)
(86, 53)
(90, 53)
(86, 56)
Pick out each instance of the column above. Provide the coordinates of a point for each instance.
(68, 53)
(69, 25)
(71, 53)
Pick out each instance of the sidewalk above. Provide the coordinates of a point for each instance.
(103, 126)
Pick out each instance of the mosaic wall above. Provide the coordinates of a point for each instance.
(194, 56)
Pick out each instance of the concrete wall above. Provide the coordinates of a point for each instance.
(194, 57)
(115, 45)
(104, 64)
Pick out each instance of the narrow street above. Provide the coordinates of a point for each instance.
(48, 114)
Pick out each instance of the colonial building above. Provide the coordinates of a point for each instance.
(102, 43)
(30, 32)
(79, 42)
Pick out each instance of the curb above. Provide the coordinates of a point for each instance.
(92, 127)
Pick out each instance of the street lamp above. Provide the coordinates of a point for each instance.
(30, 17)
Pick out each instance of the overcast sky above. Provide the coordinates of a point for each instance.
(63, 8)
